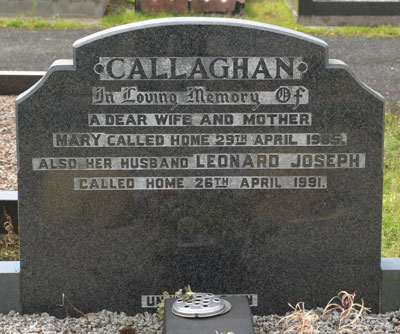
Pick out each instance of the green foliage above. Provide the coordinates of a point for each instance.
(34, 5)
(8, 254)
(30, 23)
(391, 187)
(188, 295)
(128, 16)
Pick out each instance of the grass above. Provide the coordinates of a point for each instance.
(391, 190)
(31, 23)
(7, 254)
(267, 11)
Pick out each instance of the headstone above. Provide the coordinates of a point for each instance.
(225, 154)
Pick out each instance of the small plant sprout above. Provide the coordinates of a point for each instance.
(300, 321)
(349, 312)
(188, 295)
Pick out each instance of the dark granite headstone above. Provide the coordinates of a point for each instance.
(224, 154)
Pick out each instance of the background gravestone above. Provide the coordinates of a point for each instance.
(346, 12)
(224, 154)
(62, 8)
(175, 6)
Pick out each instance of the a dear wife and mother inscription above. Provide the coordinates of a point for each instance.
(225, 154)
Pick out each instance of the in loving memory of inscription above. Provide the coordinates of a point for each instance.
(200, 68)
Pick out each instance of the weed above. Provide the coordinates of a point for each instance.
(34, 5)
(12, 239)
(9, 243)
(186, 296)
(349, 312)
(65, 298)
(9, 254)
(300, 321)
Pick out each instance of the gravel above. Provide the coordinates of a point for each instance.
(8, 155)
(103, 322)
(146, 323)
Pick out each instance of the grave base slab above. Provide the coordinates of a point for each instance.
(9, 286)
(390, 295)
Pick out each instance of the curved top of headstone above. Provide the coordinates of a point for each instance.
(197, 21)
(202, 37)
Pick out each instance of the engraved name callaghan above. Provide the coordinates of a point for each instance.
(204, 68)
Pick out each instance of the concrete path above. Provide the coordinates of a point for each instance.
(35, 50)
(375, 61)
